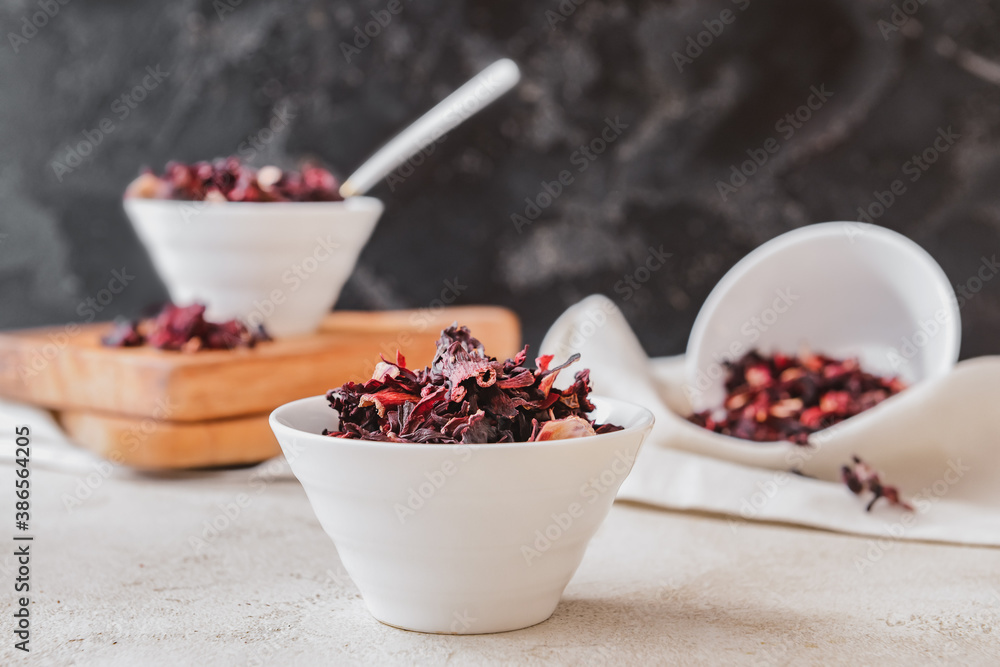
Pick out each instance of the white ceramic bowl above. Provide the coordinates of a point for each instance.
(841, 288)
(460, 539)
(280, 264)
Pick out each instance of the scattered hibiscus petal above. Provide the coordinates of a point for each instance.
(861, 478)
(185, 330)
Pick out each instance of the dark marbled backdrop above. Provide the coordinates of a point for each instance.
(893, 86)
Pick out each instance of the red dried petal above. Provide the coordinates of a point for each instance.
(543, 362)
(229, 180)
(463, 396)
(186, 329)
(523, 379)
(786, 398)
(836, 402)
(758, 376)
(861, 478)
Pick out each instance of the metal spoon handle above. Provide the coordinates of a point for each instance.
(465, 102)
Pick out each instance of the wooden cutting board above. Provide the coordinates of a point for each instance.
(158, 410)
(148, 444)
(58, 370)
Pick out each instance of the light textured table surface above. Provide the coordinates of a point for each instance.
(118, 580)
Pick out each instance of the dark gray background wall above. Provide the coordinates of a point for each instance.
(893, 87)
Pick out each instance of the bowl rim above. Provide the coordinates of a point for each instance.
(359, 202)
(645, 420)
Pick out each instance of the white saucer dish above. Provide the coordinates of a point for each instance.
(460, 539)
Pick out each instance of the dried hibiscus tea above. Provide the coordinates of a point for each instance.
(228, 179)
(861, 478)
(782, 397)
(465, 396)
(183, 329)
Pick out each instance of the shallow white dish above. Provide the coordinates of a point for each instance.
(460, 539)
(280, 264)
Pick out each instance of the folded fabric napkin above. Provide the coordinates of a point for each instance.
(938, 442)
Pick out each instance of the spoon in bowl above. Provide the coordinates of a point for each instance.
(462, 104)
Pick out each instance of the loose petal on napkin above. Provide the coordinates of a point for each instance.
(939, 442)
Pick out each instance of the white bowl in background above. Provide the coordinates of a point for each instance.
(280, 264)
(460, 539)
(845, 289)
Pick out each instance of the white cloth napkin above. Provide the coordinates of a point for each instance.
(939, 442)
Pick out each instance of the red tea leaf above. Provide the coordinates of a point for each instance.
(228, 179)
(183, 329)
(861, 478)
(788, 398)
(465, 396)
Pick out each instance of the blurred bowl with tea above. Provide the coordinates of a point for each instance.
(268, 247)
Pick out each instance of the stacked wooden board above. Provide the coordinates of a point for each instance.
(154, 409)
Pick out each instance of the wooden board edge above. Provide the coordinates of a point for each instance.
(148, 444)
